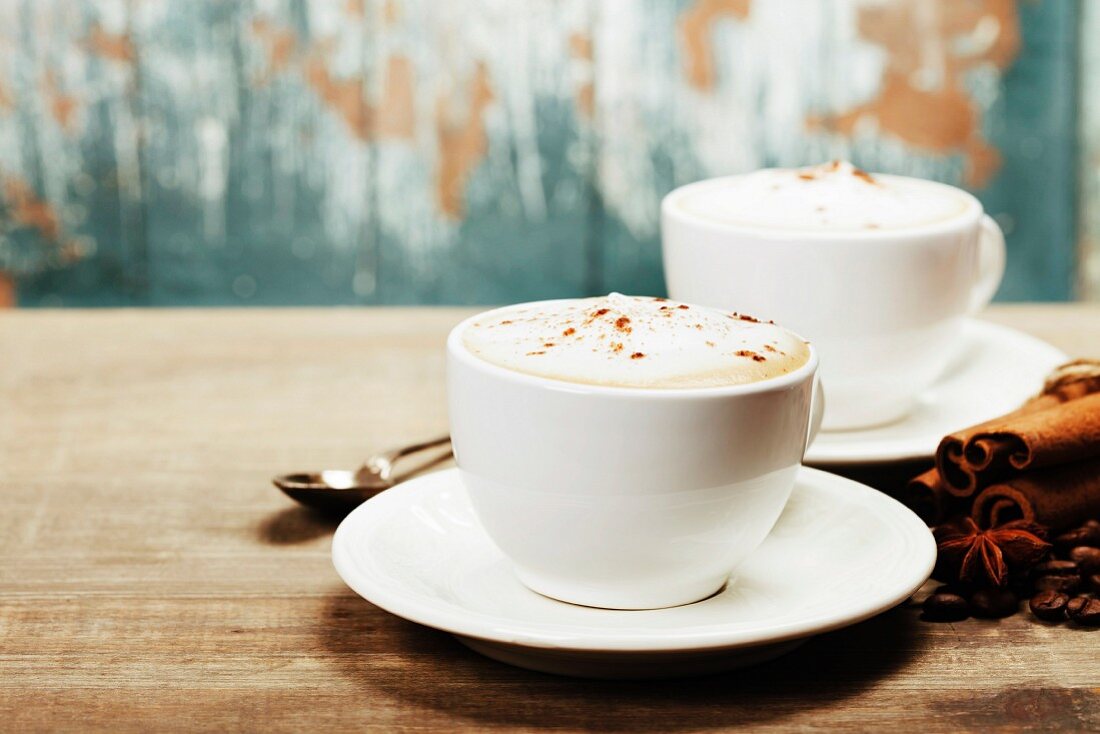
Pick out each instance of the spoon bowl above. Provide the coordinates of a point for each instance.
(341, 490)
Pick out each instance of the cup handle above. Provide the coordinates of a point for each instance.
(991, 264)
(817, 412)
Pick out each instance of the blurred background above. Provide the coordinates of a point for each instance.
(294, 152)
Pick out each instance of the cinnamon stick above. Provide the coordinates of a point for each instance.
(927, 495)
(1073, 380)
(1058, 497)
(924, 496)
(1061, 425)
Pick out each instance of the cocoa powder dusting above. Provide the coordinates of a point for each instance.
(864, 176)
(637, 355)
(623, 324)
(569, 332)
(749, 353)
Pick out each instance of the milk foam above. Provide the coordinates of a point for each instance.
(630, 341)
(834, 196)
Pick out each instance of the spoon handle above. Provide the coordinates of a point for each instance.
(426, 465)
(417, 448)
(384, 463)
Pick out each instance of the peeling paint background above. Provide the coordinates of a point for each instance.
(482, 151)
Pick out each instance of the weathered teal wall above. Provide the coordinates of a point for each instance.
(380, 151)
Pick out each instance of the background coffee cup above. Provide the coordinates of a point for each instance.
(626, 498)
(884, 307)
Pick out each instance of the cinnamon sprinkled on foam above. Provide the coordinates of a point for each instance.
(864, 176)
(834, 196)
(634, 342)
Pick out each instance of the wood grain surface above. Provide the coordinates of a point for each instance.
(152, 579)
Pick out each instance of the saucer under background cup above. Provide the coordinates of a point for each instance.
(840, 553)
(995, 370)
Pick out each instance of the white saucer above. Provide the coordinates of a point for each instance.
(997, 370)
(840, 553)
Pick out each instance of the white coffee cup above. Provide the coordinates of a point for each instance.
(625, 498)
(884, 307)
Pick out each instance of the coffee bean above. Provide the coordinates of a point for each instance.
(1084, 611)
(1063, 584)
(945, 607)
(1049, 606)
(993, 603)
(1085, 535)
(1056, 568)
(1087, 559)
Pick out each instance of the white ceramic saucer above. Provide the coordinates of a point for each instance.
(997, 369)
(840, 553)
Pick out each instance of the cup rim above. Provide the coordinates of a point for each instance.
(670, 208)
(457, 349)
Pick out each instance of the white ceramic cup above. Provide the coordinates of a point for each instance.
(625, 498)
(884, 307)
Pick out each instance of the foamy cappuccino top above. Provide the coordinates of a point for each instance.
(630, 341)
(834, 197)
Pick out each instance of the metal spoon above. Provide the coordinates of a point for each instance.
(340, 489)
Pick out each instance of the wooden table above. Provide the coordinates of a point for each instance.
(151, 577)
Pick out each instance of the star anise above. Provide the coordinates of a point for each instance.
(969, 553)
